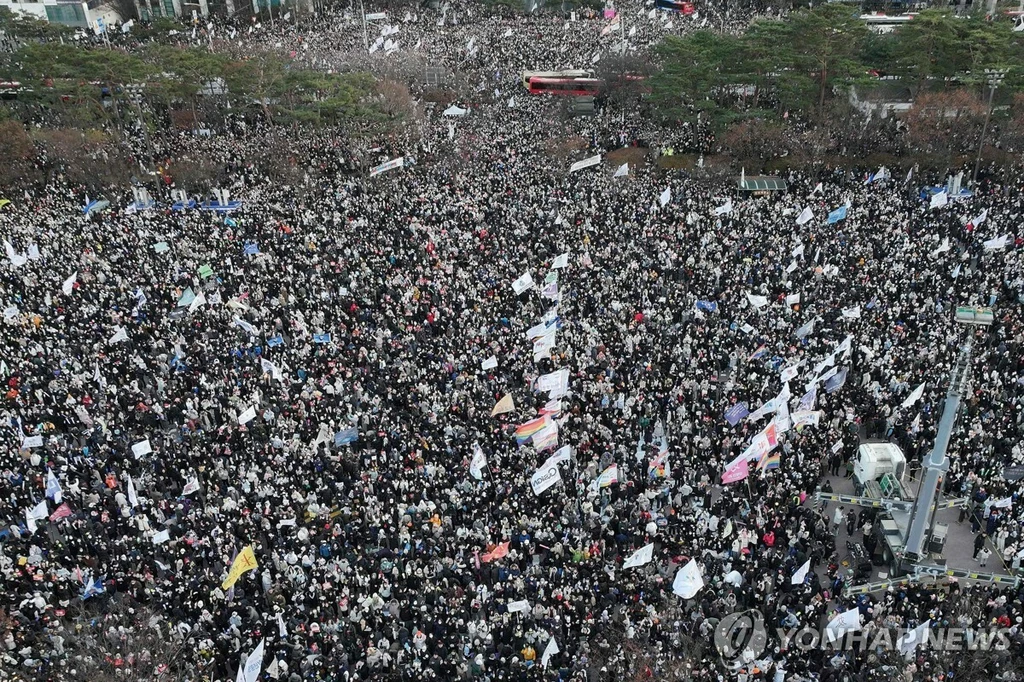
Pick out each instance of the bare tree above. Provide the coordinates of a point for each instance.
(396, 100)
(656, 648)
(120, 639)
(946, 124)
(196, 175)
(18, 152)
(88, 157)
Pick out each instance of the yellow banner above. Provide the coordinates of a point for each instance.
(243, 563)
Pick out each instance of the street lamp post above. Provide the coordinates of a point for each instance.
(994, 78)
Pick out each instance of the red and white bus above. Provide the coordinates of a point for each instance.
(570, 73)
(569, 87)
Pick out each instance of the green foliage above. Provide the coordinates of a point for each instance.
(107, 83)
(27, 27)
(800, 64)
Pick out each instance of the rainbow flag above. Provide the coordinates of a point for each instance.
(757, 353)
(553, 408)
(768, 461)
(608, 476)
(524, 432)
(658, 468)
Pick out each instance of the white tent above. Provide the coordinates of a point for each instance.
(455, 110)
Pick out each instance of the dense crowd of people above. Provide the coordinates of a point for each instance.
(311, 427)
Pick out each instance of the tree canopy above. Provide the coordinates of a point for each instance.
(167, 77)
(796, 66)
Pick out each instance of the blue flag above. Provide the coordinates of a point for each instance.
(837, 215)
(52, 485)
(346, 436)
(275, 341)
(321, 338)
(836, 381)
(229, 221)
(92, 587)
(251, 248)
(735, 413)
(707, 306)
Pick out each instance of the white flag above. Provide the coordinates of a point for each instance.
(133, 495)
(805, 216)
(914, 396)
(688, 580)
(161, 537)
(244, 324)
(914, 638)
(523, 283)
(943, 247)
(489, 363)
(270, 368)
(939, 200)
(585, 163)
(622, 171)
(190, 487)
(724, 208)
(998, 243)
(562, 454)
(801, 573)
(789, 373)
(198, 301)
(69, 284)
(281, 629)
(477, 464)
(142, 448)
(665, 196)
(852, 313)
(848, 621)
(640, 557)
(39, 512)
(982, 217)
(247, 416)
(545, 477)
(119, 336)
(254, 664)
(757, 301)
(561, 261)
(550, 650)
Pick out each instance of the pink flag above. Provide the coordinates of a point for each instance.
(60, 512)
(737, 472)
(498, 552)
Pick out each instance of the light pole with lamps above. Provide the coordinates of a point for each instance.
(994, 77)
